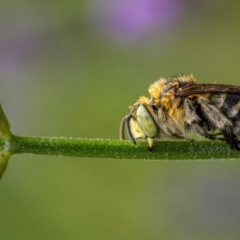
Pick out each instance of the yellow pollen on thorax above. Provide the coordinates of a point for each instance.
(176, 112)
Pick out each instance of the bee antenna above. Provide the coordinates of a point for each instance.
(121, 129)
(126, 121)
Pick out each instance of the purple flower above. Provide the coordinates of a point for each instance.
(132, 19)
(17, 49)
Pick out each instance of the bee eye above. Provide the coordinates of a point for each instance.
(146, 122)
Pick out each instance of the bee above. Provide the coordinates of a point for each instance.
(179, 106)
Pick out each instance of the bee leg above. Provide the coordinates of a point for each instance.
(183, 138)
(150, 143)
(189, 139)
(230, 139)
(213, 136)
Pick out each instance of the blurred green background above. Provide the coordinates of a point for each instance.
(72, 68)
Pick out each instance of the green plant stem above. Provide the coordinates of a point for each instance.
(118, 149)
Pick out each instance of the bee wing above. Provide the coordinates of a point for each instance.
(207, 89)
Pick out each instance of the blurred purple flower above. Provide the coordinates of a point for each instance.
(132, 19)
(17, 49)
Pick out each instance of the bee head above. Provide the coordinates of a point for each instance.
(140, 123)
